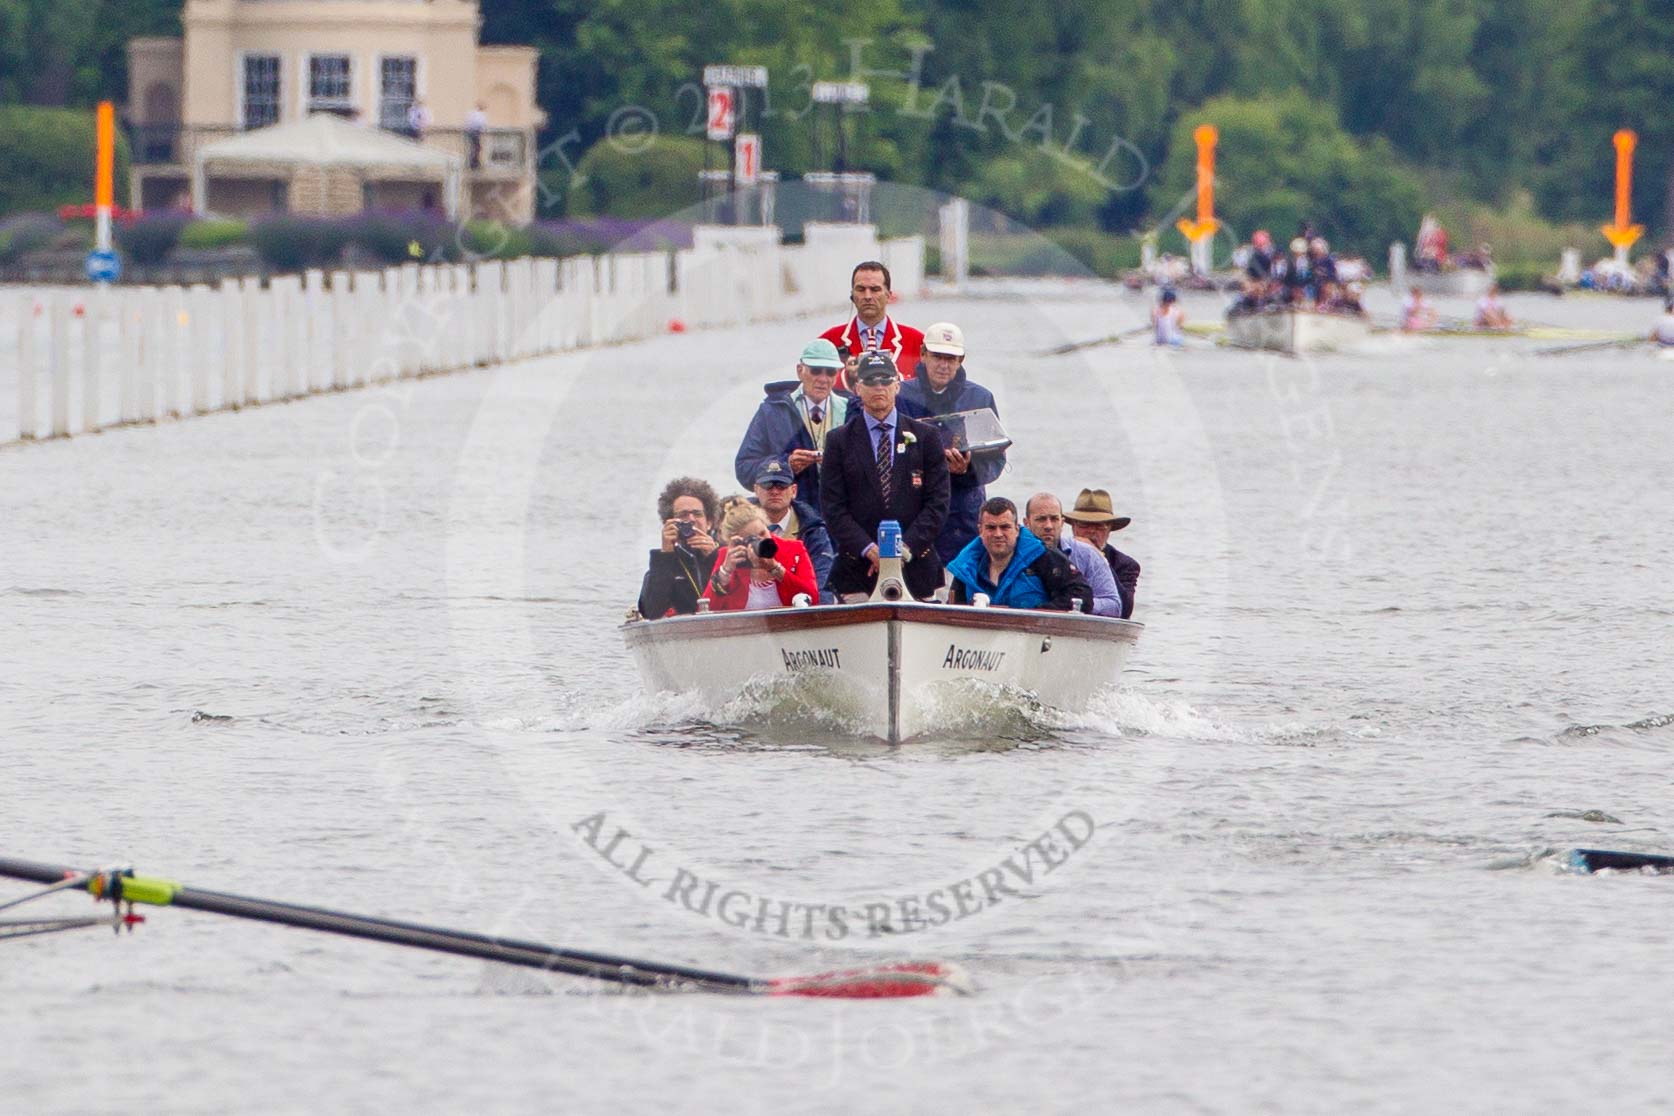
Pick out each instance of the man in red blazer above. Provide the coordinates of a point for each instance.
(883, 465)
(872, 327)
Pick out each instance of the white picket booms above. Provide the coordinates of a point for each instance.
(89, 359)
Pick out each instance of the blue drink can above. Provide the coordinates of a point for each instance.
(889, 539)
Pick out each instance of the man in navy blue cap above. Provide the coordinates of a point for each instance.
(883, 465)
(776, 492)
(791, 425)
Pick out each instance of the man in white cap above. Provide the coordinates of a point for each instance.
(792, 423)
(941, 387)
(1093, 519)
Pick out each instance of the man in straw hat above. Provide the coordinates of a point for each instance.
(1093, 519)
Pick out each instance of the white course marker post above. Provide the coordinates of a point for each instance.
(279, 344)
(342, 319)
(204, 344)
(297, 319)
(58, 310)
(26, 371)
(315, 375)
(176, 319)
(92, 370)
(131, 331)
(232, 345)
(254, 300)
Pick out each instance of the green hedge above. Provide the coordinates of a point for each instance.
(215, 232)
(628, 181)
(47, 156)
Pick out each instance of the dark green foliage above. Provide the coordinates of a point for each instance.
(46, 158)
(625, 181)
(1283, 160)
(217, 232)
(150, 239)
(1069, 113)
(290, 243)
(404, 236)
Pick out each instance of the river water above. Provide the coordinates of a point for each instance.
(1407, 620)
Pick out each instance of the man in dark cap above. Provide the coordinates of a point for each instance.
(883, 465)
(1093, 519)
(795, 519)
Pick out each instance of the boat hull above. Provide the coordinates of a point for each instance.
(1297, 331)
(1464, 282)
(886, 670)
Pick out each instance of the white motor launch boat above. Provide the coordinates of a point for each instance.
(1288, 330)
(884, 666)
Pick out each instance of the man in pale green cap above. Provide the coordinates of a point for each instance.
(791, 424)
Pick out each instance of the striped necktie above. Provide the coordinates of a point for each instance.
(885, 461)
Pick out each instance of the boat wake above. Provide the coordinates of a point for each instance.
(1129, 712)
(1642, 725)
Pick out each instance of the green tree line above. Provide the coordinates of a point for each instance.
(1355, 113)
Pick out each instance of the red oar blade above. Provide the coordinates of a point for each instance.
(882, 982)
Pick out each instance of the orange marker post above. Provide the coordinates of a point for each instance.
(1624, 233)
(104, 176)
(1205, 225)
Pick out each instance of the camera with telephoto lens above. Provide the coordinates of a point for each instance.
(764, 547)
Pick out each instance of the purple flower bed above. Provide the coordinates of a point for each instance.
(26, 232)
(582, 235)
(150, 238)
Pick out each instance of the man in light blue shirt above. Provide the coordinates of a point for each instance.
(1045, 516)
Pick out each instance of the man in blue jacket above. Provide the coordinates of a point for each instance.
(791, 424)
(1013, 568)
(941, 387)
(795, 519)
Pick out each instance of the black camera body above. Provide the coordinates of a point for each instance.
(684, 530)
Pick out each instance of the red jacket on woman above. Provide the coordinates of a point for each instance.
(799, 578)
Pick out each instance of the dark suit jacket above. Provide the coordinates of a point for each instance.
(852, 502)
(1126, 572)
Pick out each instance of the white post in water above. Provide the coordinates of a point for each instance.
(1203, 255)
(1569, 267)
(954, 228)
(1398, 266)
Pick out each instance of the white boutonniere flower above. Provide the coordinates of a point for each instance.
(907, 439)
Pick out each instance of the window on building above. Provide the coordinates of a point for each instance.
(397, 88)
(261, 90)
(330, 88)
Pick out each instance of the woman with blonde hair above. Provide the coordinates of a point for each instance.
(756, 569)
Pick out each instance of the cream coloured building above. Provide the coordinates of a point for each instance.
(398, 66)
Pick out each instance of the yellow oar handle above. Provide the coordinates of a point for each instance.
(132, 889)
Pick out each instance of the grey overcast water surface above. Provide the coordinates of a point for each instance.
(1408, 616)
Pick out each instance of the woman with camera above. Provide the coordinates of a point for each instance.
(757, 570)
